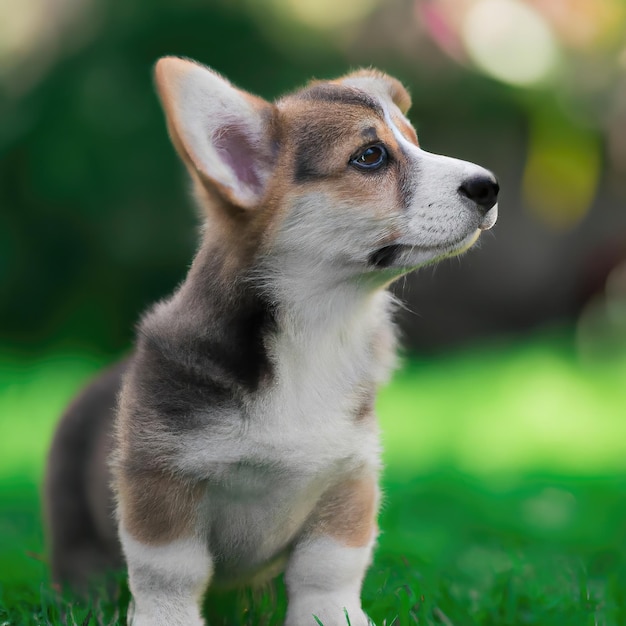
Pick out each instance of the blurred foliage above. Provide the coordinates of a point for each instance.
(94, 224)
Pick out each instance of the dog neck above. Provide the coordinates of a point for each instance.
(242, 312)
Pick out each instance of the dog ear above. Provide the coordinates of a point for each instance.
(222, 134)
(373, 81)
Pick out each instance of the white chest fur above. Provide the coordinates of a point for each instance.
(266, 466)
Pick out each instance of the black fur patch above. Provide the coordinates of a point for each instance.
(307, 158)
(369, 134)
(207, 352)
(314, 140)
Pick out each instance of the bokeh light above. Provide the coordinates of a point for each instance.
(563, 169)
(326, 14)
(510, 41)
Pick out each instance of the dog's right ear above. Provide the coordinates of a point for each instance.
(222, 134)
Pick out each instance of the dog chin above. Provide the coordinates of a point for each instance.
(466, 244)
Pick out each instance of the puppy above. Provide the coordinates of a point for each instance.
(241, 432)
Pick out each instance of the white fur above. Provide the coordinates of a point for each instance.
(167, 582)
(300, 436)
(324, 579)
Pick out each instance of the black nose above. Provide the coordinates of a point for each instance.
(483, 190)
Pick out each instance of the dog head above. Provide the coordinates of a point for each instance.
(331, 176)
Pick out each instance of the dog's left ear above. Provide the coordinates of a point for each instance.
(223, 134)
(374, 81)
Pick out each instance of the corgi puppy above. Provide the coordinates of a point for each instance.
(240, 435)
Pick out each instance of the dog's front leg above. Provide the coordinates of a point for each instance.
(326, 569)
(169, 565)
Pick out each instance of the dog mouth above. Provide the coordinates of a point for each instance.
(387, 255)
(404, 256)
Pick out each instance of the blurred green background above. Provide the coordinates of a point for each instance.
(515, 359)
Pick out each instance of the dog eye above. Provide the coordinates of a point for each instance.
(371, 158)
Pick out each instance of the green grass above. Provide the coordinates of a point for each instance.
(505, 494)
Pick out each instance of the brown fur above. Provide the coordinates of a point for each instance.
(158, 508)
(317, 135)
(347, 512)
